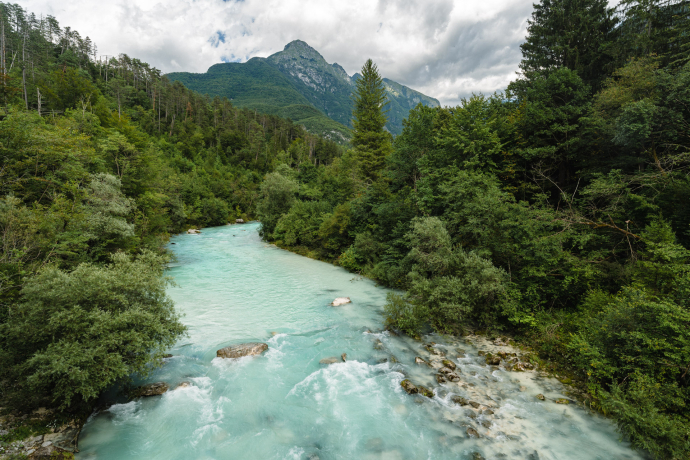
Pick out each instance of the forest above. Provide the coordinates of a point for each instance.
(556, 212)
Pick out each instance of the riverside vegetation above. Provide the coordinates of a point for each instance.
(557, 212)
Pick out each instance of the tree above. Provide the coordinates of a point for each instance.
(574, 34)
(277, 196)
(369, 138)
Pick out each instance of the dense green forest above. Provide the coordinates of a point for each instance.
(101, 160)
(556, 211)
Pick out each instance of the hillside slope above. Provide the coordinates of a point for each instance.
(294, 82)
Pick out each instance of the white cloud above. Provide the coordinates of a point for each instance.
(444, 48)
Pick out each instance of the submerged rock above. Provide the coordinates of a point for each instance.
(341, 301)
(434, 351)
(493, 360)
(460, 400)
(477, 456)
(331, 360)
(378, 345)
(475, 404)
(243, 349)
(183, 385)
(152, 389)
(409, 387)
(472, 433)
(562, 401)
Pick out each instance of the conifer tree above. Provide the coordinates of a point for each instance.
(371, 141)
(574, 34)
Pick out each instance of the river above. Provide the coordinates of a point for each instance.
(234, 288)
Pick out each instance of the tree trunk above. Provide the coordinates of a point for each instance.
(172, 125)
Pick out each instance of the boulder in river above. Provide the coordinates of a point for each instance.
(331, 360)
(341, 301)
(460, 400)
(475, 404)
(409, 387)
(193, 231)
(239, 221)
(343, 357)
(453, 377)
(449, 364)
(472, 433)
(445, 370)
(243, 349)
(419, 360)
(440, 378)
(424, 391)
(152, 389)
(541, 397)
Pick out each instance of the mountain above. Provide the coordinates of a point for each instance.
(299, 84)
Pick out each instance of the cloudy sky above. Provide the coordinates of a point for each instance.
(444, 48)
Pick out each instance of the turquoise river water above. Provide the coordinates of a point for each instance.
(234, 288)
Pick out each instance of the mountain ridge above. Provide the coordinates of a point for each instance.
(294, 82)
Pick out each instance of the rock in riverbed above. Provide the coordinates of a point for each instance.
(460, 400)
(243, 349)
(193, 231)
(341, 301)
(449, 364)
(409, 387)
(152, 389)
(331, 360)
(419, 360)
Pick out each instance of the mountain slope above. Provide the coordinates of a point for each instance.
(296, 81)
(257, 84)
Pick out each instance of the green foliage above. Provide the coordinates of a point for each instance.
(300, 226)
(277, 196)
(75, 333)
(571, 34)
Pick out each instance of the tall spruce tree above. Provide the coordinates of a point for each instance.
(369, 138)
(574, 34)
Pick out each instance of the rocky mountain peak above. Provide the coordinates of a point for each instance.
(300, 49)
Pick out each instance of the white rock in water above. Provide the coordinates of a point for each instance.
(193, 231)
(341, 301)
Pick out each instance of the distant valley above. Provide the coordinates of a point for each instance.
(299, 84)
